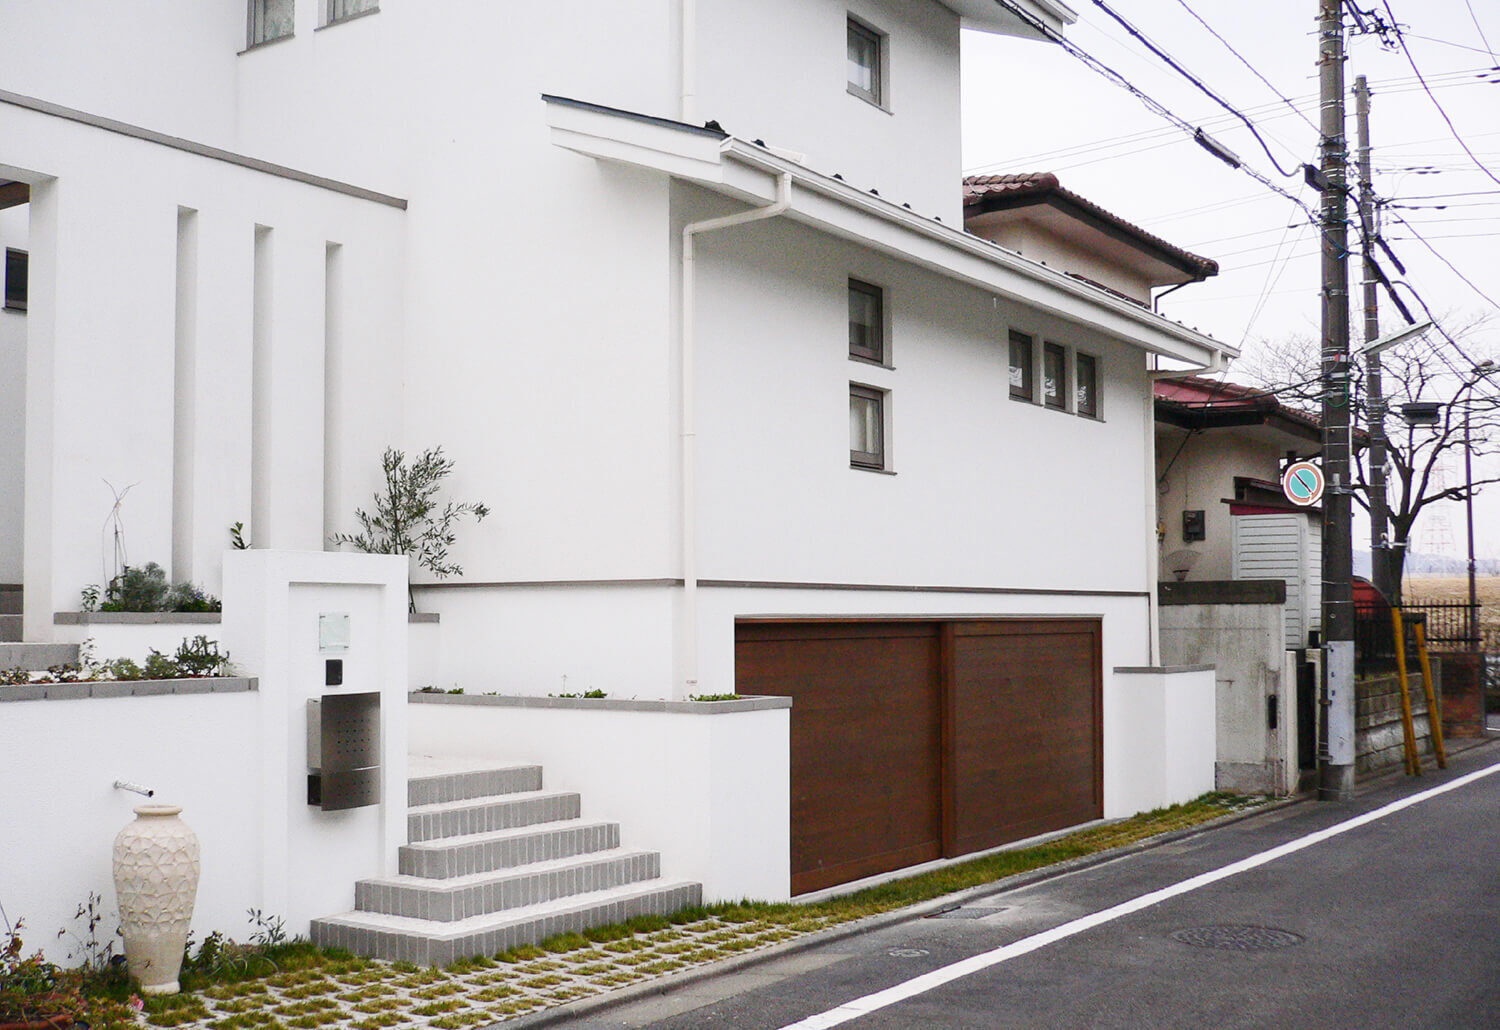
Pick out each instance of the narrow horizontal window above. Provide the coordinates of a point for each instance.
(866, 321)
(269, 19)
(17, 269)
(1022, 369)
(1054, 376)
(866, 427)
(864, 63)
(1086, 385)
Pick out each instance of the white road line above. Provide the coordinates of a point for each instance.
(947, 974)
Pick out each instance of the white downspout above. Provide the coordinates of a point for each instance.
(688, 631)
(687, 108)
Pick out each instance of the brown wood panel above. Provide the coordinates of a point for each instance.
(1025, 704)
(866, 741)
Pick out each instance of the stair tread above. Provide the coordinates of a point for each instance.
(529, 869)
(438, 807)
(491, 836)
(426, 767)
(508, 917)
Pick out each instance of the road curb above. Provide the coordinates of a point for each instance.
(688, 977)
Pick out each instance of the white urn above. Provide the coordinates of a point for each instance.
(156, 882)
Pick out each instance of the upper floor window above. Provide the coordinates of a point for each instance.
(1054, 375)
(1022, 370)
(866, 322)
(866, 427)
(866, 63)
(343, 10)
(16, 268)
(269, 19)
(1086, 385)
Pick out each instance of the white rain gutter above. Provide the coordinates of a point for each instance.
(1214, 367)
(688, 629)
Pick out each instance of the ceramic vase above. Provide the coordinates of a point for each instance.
(156, 881)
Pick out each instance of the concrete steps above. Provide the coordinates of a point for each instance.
(494, 862)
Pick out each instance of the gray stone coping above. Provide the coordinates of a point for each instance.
(135, 618)
(1158, 670)
(128, 688)
(416, 618)
(606, 704)
(1222, 591)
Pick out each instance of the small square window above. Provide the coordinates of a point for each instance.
(1022, 369)
(866, 427)
(1054, 376)
(342, 10)
(16, 274)
(865, 63)
(866, 322)
(1086, 385)
(269, 19)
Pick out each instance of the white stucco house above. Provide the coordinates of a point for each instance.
(626, 264)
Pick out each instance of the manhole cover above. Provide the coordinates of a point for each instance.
(907, 952)
(968, 912)
(1238, 938)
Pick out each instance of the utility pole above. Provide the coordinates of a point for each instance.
(1336, 777)
(1381, 559)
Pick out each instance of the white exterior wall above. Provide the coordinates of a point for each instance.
(13, 234)
(986, 492)
(1290, 548)
(776, 70)
(1200, 476)
(103, 341)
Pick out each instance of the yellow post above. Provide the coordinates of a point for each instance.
(1408, 730)
(1434, 709)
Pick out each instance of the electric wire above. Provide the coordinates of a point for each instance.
(1172, 63)
(1253, 70)
(1435, 102)
(1480, 29)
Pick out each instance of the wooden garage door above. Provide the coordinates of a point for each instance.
(915, 740)
(866, 741)
(1027, 753)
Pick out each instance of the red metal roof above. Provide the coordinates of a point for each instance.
(998, 192)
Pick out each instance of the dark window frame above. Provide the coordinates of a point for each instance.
(876, 354)
(332, 17)
(1059, 400)
(873, 41)
(872, 460)
(1092, 409)
(17, 295)
(1027, 390)
(254, 38)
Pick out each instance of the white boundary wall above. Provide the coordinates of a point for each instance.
(1158, 737)
(235, 762)
(705, 783)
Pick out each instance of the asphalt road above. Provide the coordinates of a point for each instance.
(1394, 923)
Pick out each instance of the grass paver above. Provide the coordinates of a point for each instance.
(331, 989)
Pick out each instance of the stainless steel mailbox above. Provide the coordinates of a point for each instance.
(343, 751)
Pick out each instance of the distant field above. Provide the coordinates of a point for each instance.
(1456, 588)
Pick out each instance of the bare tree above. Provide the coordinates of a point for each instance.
(1461, 382)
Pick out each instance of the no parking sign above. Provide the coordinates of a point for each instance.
(1302, 482)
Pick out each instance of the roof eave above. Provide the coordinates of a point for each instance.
(749, 173)
(1001, 18)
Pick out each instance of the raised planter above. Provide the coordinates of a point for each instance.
(133, 634)
(128, 688)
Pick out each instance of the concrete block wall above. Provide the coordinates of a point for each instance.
(1377, 722)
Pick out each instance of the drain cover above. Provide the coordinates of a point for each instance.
(907, 952)
(1238, 938)
(968, 912)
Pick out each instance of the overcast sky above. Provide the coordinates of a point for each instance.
(1032, 107)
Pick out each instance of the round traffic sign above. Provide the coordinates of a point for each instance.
(1302, 482)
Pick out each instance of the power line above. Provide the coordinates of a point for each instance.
(1438, 254)
(1480, 29)
(1253, 70)
(1435, 103)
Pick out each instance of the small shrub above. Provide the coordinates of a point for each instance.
(144, 588)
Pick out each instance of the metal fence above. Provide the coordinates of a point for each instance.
(1451, 625)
